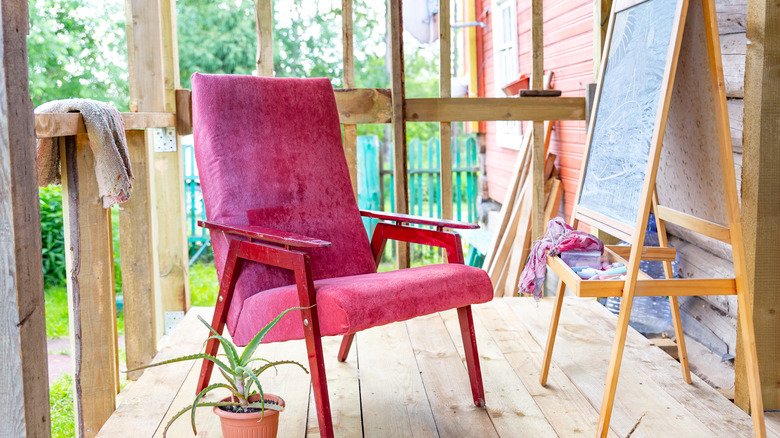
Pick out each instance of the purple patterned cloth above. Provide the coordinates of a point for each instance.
(559, 237)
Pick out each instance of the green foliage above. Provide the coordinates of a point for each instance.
(52, 235)
(77, 49)
(61, 401)
(238, 373)
(215, 37)
(204, 284)
(56, 298)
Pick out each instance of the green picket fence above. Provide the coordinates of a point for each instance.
(375, 189)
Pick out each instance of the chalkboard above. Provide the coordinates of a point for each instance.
(626, 110)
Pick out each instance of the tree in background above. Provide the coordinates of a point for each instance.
(77, 48)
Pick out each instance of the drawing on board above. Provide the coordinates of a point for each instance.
(627, 107)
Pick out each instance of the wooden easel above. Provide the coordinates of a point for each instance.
(692, 98)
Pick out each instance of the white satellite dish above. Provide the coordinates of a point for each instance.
(421, 19)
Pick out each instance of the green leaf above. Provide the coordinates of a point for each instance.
(253, 377)
(226, 345)
(216, 361)
(255, 342)
(205, 391)
(258, 371)
(184, 411)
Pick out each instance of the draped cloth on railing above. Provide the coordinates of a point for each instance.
(106, 132)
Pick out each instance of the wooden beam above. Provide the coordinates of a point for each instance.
(364, 105)
(494, 108)
(173, 251)
(24, 405)
(691, 222)
(140, 275)
(760, 202)
(537, 150)
(601, 10)
(445, 91)
(264, 22)
(398, 93)
(65, 124)
(350, 130)
(91, 300)
(648, 252)
(183, 111)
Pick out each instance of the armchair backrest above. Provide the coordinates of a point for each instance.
(269, 152)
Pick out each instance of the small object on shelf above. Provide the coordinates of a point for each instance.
(577, 258)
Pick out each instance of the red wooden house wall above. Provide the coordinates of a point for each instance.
(568, 52)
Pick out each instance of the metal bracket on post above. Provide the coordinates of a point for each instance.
(172, 319)
(164, 139)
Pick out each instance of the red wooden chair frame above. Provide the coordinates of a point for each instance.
(275, 248)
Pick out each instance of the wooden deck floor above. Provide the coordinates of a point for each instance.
(409, 380)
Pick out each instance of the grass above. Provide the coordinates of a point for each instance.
(56, 312)
(204, 285)
(61, 400)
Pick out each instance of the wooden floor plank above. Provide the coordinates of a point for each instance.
(343, 390)
(142, 409)
(722, 416)
(510, 406)
(446, 381)
(641, 407)
(567, 410)
(409, 379)
(393, 398)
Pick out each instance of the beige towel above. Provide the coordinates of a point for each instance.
(106, 132)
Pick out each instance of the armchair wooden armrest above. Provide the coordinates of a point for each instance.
(420, 220)
(267, 234)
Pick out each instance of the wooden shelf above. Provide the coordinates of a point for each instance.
(646, 286)
(64, 124)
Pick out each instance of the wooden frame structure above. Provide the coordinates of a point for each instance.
(637, 284)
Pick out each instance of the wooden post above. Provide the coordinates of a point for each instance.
(154, 75)
(537, 152)
(398, 93)
(601, 10)
(140, 274)
(264, 22)
(350, 131)
(24, 389)
(91, 300)
(445, 90)
(760, 202)
(169, 183)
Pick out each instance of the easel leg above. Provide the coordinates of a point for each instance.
(552, 332)
(614, 368)
(682, 352)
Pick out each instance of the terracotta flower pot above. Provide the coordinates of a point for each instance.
(253, 424)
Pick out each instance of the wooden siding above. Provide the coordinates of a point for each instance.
(568, 34)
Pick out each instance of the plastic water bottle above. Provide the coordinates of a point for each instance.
(649, 315)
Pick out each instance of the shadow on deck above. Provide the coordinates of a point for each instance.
(409, 379)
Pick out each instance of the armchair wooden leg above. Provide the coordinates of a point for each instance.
(319, 381)
(472, 356)
(551, 333)
(346, 344)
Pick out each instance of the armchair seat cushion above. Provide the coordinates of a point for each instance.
(350, 304)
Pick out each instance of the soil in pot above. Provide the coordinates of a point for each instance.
(250, 424)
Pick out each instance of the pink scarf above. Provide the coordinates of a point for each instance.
(559, 237)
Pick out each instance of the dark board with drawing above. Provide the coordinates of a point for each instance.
(627, 109)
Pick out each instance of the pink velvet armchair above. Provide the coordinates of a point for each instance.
(286, 230)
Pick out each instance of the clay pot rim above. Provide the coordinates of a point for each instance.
(251, 415)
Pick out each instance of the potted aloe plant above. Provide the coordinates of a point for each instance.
(248, 411)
